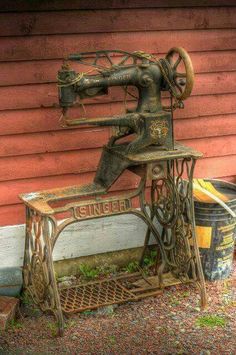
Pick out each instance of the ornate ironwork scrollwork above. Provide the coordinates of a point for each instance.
(38, 269)
(171, 202)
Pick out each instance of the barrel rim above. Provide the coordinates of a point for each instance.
(214, 205)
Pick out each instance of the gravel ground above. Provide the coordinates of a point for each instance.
(170, 323)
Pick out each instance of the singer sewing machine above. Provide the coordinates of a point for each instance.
(150, 123)
(143, 142)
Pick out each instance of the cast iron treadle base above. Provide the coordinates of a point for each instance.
(171, 176)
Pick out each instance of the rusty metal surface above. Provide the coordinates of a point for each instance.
(125, 288)
(151, 154)
(150, 121)
(40, 200)
(94, 295)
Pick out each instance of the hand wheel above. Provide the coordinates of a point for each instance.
(182, 71)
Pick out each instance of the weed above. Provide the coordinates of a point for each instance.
(211, 321)
(88, 272)
(131, 267)
(186, 294)
(14, 324)
(112, 339)
(53, 328)
(173, 300)
(26, 299)
(150, 260)
(87, 312)
(29, 307)
(36, 312)
(175, 303)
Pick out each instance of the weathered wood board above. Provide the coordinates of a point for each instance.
(36, 153)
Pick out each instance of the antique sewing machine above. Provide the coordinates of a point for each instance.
(142, 142)
(150, 123)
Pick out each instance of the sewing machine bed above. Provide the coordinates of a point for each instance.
(156, 153)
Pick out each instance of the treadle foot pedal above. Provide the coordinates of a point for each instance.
(124, 288)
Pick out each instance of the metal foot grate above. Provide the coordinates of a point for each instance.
(93, 295)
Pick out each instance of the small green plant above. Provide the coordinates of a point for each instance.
(26, 299)
(34, 311)
(186, 294)
(131, 267)
(14, 324)
(175, 302)
(88, 272)
(112, 339)
(211, 321)
(53, 328)
(150, 260)
(87, 312)
(29, 306)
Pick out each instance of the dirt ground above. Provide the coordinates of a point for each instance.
(170, 323)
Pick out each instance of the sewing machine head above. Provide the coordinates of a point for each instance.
(150, 121)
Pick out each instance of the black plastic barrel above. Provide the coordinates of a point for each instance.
(216, 233)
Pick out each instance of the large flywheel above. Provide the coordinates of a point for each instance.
(182, 72)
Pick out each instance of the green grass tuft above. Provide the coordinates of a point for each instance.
(53, 327)
(211, 321)
(112, 339)
(26, 299)
(88, 272)
(131, 267)
(150, 260)
(14, 324)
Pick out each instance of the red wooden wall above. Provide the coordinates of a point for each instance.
(36, 153)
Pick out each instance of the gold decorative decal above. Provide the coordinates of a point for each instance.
(159, 129)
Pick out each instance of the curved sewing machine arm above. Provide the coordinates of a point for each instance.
(149, 75)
